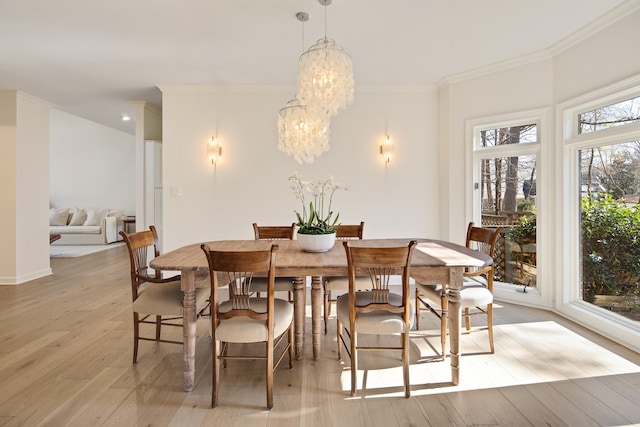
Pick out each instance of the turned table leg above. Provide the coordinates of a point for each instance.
(299, 301)
(316, 314)
(189, 328)
(455, 283)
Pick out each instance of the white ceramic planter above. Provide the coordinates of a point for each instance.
(316, 242)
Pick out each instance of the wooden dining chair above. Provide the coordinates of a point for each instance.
(156, 300)
(335, 283)
(243, 318)
(476, 294)
(275, 233)
(376, 310)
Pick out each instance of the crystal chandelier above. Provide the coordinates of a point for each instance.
(325, 77)
(302, 133)
(325, 86)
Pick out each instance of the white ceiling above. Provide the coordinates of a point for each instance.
(92, 58)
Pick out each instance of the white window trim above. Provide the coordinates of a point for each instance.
(568, 301)
(542, 294)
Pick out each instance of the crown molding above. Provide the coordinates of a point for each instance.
(621, 11)
(498, 66)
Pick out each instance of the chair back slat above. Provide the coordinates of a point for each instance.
(273, 232)
(347, 231)
(482, 240)
(239, 268)
(380, 264)
(140, 245)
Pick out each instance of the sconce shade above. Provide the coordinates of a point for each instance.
(386, 149)
(325, 78)
(214, 150)
(302, 134)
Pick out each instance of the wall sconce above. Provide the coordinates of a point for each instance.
(214, 150)
(386, 149)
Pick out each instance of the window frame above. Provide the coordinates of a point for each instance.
(541, 295)
(570, 142)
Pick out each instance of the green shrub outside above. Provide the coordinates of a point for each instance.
(611, 248)
(524, 231)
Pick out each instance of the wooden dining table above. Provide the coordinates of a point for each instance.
(433, 262)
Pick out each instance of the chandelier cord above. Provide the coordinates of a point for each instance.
(325, 21)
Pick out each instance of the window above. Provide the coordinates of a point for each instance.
(617, 114)
(602, 181)
(505, 193)
(610, 228)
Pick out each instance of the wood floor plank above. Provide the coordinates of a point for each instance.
(535, 411)
(616, 395)
(564, 407)
(468, 406)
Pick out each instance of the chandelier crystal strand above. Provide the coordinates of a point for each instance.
(302, 134)
(325, 77)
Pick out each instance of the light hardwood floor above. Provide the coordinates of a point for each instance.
(65, 359)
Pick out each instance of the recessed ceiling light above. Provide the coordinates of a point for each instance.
(126, 118)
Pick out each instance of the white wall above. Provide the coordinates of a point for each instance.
(249, 183)
(24, 166)
(601, 59)
(91, 165)
(518, 88)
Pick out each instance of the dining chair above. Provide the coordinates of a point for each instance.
(243, 318)
(274, 232)
(156, 300)
(376, 310)
(476, 294)
(336, 283)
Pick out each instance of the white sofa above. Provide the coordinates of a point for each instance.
(78, 226)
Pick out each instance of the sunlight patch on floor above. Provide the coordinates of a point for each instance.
(561, 355)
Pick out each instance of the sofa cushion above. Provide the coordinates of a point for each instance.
(58, 216)
(95, 216)
(79, 217)
(75, 229)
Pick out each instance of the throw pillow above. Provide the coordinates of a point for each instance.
(79, 217)
(95, 216)
(58, 216)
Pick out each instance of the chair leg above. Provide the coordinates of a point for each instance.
(354, 363)
(339, 336)
(158, 327)
(136, 335)
(269, 374)
(417, 308)
(291, 346)
(327, 308)
(405, 363)
(215, 372)
(467, 318)
(490, 325)
(225, 352)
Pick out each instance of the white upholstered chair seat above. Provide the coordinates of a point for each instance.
(342, 283)
(472, 294)
(375, 322)
(245, 330)
(281, 284)
(166, 299)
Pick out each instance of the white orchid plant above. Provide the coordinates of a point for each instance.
(317, 218)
